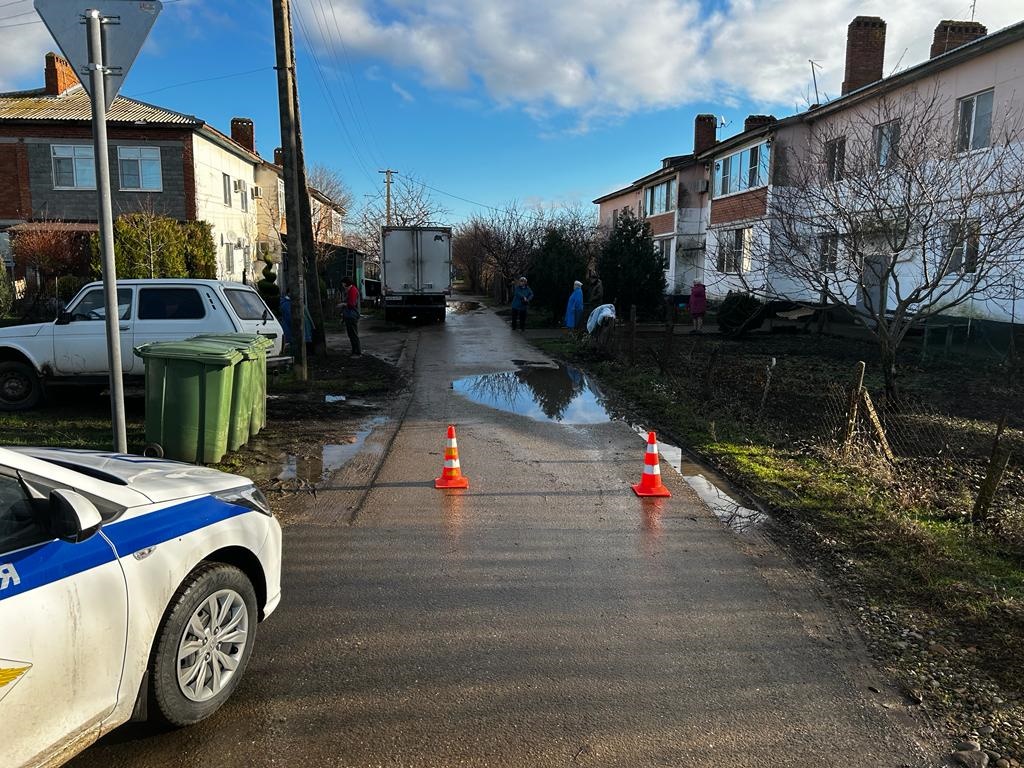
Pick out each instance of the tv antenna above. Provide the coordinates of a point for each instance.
(974, 4)
(814, 77)
(722, 122)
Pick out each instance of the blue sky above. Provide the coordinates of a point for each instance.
(535, 101)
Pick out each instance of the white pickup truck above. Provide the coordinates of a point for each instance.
(73, 348)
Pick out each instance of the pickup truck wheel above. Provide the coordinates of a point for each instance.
(20, 388)
(204, 644)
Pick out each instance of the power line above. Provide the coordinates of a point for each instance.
(363, 113)
(330, 97)
(204, 80)
(22, 24)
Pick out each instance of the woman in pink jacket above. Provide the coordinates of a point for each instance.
(698, 305)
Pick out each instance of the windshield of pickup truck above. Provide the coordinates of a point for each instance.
(248, 305)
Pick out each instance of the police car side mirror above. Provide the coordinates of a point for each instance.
(73, 517)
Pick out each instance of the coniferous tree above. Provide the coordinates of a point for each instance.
(632, 271)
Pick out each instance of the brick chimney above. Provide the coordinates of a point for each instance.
(865, 52)
(59, 75)
(279, 157)
(243, 132)
(757, 121)
(704, 133)
(953, 34)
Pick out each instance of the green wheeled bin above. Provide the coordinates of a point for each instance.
(254, 349)
(189, 386)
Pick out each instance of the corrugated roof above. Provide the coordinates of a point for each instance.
(74, 105)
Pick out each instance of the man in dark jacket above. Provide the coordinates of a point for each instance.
(521, 298)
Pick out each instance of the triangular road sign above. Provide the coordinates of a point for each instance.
(123, 36)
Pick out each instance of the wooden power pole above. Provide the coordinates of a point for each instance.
(294, 184)
(387, 194)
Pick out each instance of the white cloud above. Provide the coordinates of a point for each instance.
(21, 55)
(600, 59)
(406, 96)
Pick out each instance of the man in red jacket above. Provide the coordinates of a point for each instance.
(350, 314)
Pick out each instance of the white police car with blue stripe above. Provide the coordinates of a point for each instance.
(129, 587)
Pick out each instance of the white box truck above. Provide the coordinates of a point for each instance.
(417, 271)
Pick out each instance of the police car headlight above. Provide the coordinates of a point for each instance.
(250, 497)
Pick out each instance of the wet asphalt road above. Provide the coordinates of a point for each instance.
(545, 617)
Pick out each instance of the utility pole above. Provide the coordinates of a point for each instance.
(293, 193)
(387, 194)
(313, 299)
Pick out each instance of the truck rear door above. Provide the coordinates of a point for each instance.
(435, 261)
(400, 261)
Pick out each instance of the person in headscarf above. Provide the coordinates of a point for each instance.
(574, 309)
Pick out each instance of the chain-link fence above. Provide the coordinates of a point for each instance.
(934, 444)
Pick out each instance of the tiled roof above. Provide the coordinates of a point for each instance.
(74, 105)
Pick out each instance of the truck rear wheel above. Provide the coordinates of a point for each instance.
(20, 388)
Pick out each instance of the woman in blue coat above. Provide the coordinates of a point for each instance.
(574, 309)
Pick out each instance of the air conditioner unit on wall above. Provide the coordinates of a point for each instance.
(239, 185)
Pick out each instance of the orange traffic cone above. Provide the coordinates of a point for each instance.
(451, 475)
(650, 482)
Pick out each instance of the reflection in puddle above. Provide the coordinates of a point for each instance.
(709, 487)
(319, 467)
(545, 393)
(461, 307)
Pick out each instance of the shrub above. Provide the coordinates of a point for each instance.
(6, 293)
(739, 313)
(200, 250)
(267, 287)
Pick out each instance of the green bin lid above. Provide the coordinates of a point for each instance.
(255, 341)
(196, 350)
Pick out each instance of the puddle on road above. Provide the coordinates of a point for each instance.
(712, 489)
(552, 393)
(316, 468)
(461, 307)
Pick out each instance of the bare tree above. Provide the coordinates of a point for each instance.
(412, 205)
(330, 183)
(896, 212)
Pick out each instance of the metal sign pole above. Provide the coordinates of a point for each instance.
(97, 72)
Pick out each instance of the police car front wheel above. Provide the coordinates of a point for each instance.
(204, 643)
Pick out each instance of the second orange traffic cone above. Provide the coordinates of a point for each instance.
(451, 475)
(650, 482)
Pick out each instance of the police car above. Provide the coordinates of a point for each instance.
(129, 587)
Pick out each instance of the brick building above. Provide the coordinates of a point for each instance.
(969, 74)
(160, 161)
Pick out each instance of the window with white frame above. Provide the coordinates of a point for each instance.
(229, 257)
(963, 239)
(747, 169)
(139, 169)
(835, 157)
(887, 143)
(974, 115)
(734, 250)
(244, 189)
(828, 252)
(660, 198)
(73, 166)
(226, 181)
